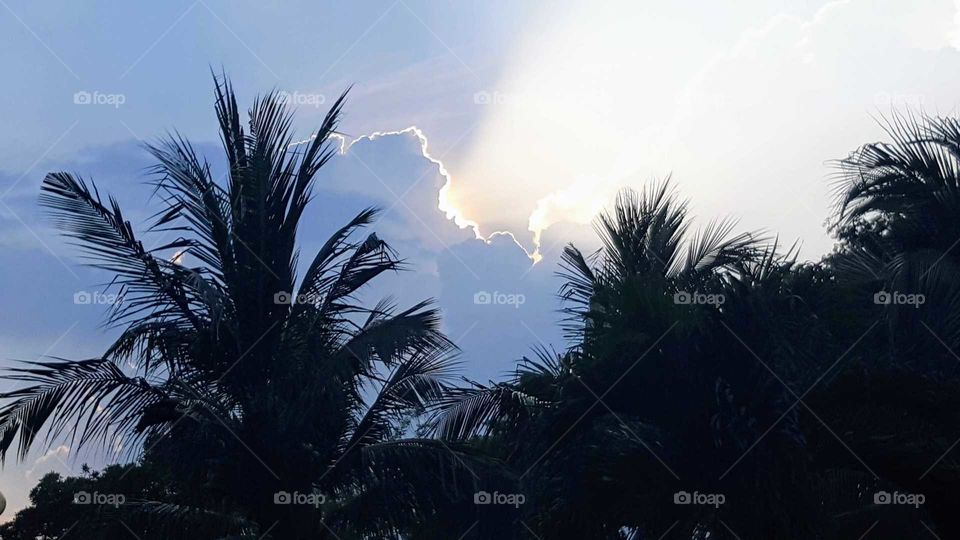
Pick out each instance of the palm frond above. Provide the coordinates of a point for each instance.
(336, 246)
(86, 398)
(643, 232)
(412, 386)
(149, 284)
(194, 203)
(713, 247)
(465, 413)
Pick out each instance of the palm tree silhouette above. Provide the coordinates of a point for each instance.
(898, 222)
(897, 206)
(692, 362)
(251, 386)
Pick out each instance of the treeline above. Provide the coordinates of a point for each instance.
(714, 387)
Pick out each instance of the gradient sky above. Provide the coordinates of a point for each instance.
(528, 117)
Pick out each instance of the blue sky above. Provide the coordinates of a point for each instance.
(529, 116)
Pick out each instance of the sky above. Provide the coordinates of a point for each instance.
(490, 132)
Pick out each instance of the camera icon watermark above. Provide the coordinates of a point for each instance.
(685, 298)
(909, 499)
(83, 97)
(897, 298)
(509, 499)
(309, 499)
(496, 298)
(103, 499)
(97, 298)
(487, 97)
(704, 499)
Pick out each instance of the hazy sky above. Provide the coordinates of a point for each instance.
(529, 116)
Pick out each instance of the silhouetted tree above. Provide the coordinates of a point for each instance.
(62, 506)
(898, 222)
(242, 393)
(692, 361)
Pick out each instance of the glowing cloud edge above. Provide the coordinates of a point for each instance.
(450, 211)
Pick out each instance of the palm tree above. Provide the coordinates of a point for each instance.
(898, 220)
(630, 415)
(244, 381)
(689, 355)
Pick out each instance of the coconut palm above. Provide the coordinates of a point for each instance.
(689, 355)
(898, 220)
(244, 381)
(655, 396)
(898, 217)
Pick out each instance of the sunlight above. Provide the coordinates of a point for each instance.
(567, 95)
(601, 97)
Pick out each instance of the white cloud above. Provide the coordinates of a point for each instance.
(52, 461)
(451, 261)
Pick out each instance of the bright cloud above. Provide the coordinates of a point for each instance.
(610, 96)
(52, 461)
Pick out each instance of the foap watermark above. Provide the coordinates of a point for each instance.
(97, 97)
(496, 298)
(485, 97)
(909, 499)
(96, 297)
(697, 298)
(509, 499)
(519, 99)
(898, 298)
(309, 499)
(102, 499)
(703, 499)
(301, 98)
(286, 298)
